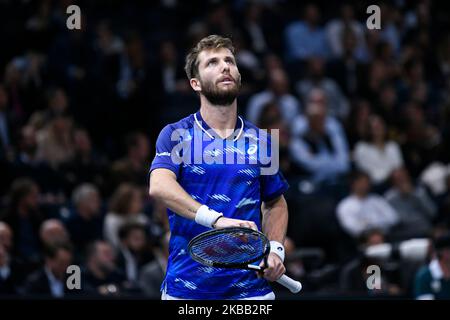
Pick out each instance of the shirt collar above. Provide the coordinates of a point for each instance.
(239, 128)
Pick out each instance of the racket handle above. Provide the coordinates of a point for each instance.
(293, 285)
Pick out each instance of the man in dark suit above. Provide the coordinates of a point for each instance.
(50, 281)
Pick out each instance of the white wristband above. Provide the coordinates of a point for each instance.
(206, 216)
(278, 249)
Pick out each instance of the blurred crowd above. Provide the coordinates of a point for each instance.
(363, 117)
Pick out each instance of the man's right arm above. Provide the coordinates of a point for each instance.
(165, 187)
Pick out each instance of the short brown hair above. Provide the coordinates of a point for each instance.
(122, 197)
(210, 42)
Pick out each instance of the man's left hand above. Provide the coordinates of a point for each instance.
(274, 269)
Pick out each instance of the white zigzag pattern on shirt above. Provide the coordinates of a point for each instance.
(246, 202)
(188, 284)
(221, 197)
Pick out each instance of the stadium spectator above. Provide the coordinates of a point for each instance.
(337, 28)
(134, 167)
(125, 206)
(86, 165)
(152, 274)
(415, 208)
(134, 251)
(278, 92)
(85, 222)
(52, 232)
(55, 141)
(318, 144)
(337, 103)
(433, 281)
(24, 217)
(306, 38)
(100, 276)
(362, 211)
(347, 69)
(50, 280)
(378, 156)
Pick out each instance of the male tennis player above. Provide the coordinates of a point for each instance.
(201, 194)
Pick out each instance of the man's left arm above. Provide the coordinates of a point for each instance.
(274, 226)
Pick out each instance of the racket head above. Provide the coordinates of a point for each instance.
(234, 247)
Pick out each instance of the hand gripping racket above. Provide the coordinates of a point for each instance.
(235, 248)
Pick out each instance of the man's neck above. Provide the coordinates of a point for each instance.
(221, 119)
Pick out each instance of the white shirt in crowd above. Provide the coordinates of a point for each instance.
(378, 163)
(357, 215)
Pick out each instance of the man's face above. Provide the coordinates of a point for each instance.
(59, 264)
(136, 240)
(219, 79)
(105, 257)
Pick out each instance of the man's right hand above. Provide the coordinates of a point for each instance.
(223, 222)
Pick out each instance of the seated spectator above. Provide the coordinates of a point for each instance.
(357, 126)
(134, 251)
(354, 275)
(318, 144)
(378, 156)
(306, 38)
(86, 166)
(58, 104)
(50, 281)
(337, 104)
(85, 223)
(152, 274)
(126, 206)
(362, 211)
(28, 164)
(421, 139)
(134, 167)
(52, 232)
(10, 273)
(415, 208)
(55, 143)
(433, 281)
(101, 276)
(270, 119)
(336, 28)
(23, 215)
(348, 70)
(278, 92)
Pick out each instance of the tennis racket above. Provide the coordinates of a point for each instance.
(235, 248)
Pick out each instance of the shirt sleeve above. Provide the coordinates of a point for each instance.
(272, 185)
(164, 149)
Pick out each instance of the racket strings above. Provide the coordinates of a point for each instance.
(229, 248)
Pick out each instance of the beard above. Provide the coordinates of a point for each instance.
(218, 96)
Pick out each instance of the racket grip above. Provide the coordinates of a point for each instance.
(293, 285)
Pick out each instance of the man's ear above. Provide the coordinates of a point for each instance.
(195, 84)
